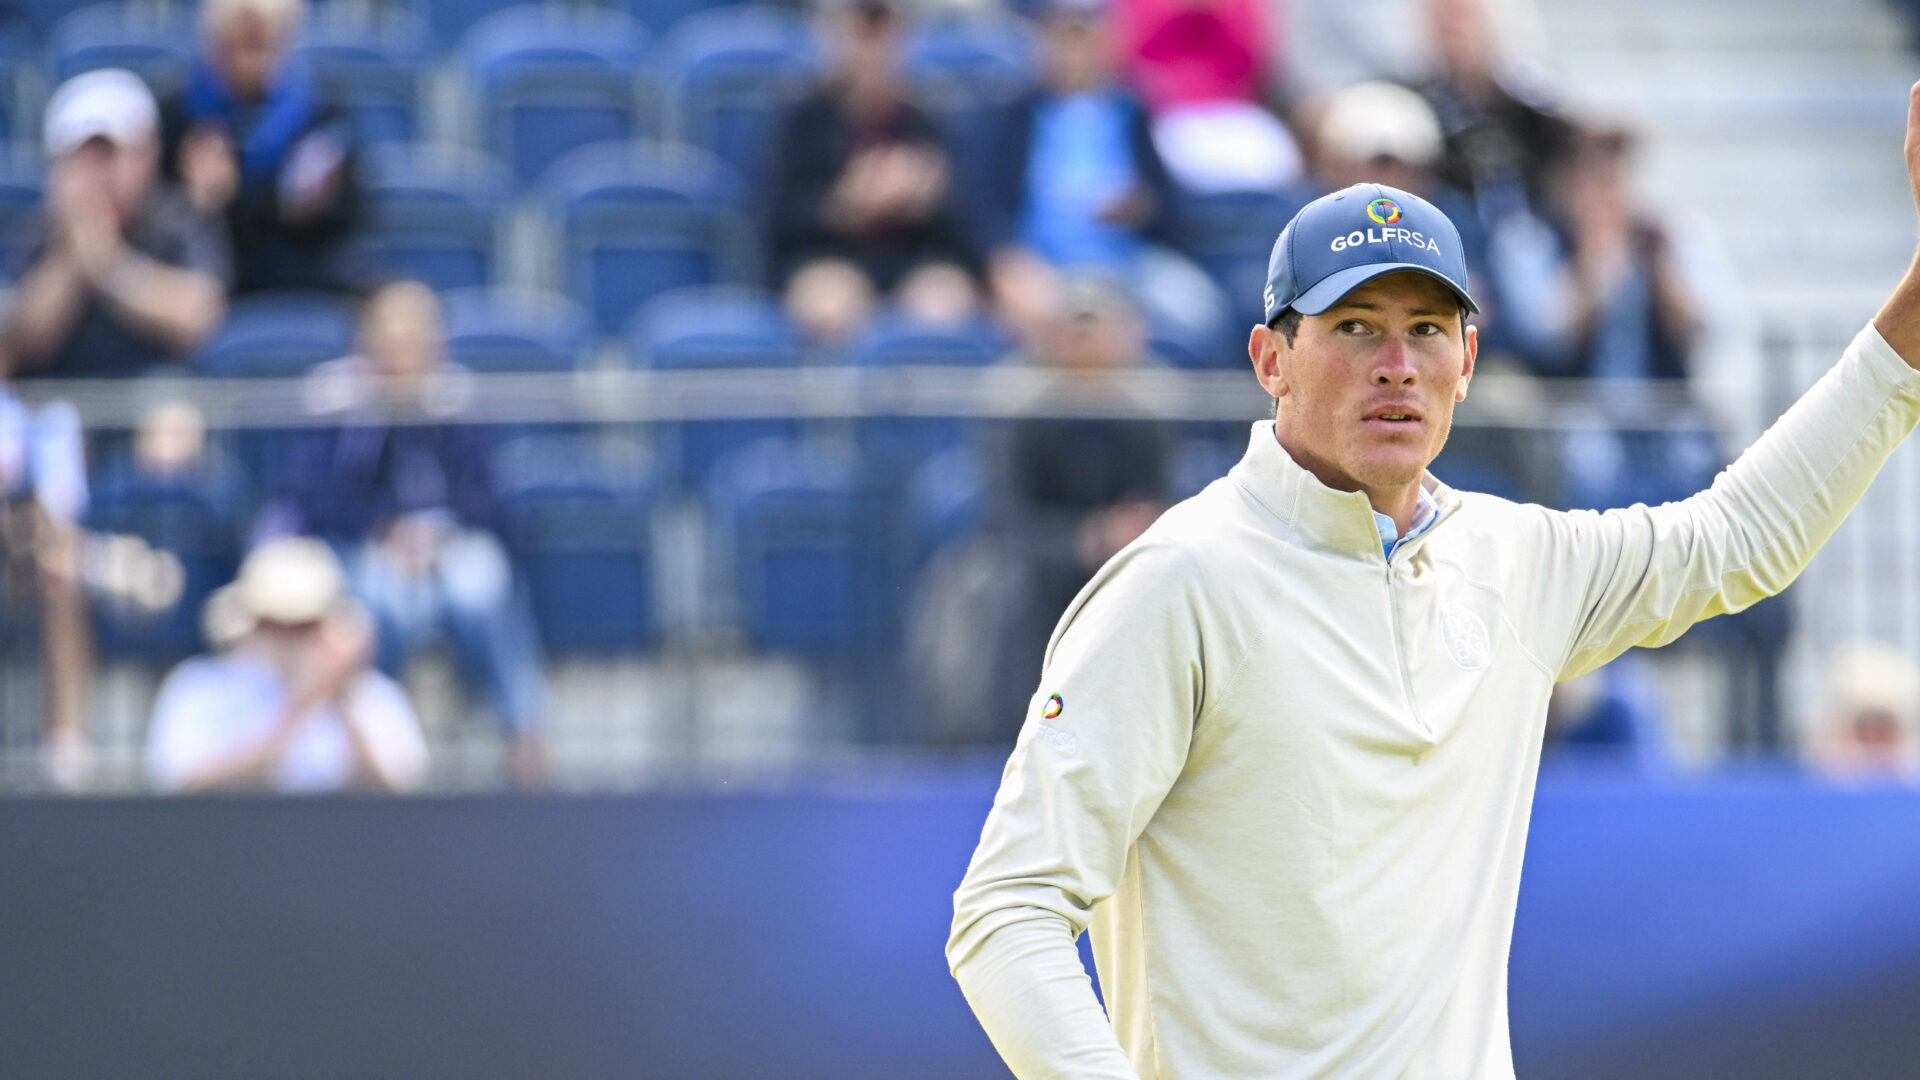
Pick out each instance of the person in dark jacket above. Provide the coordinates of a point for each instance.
(863, 205)
(250, 136)
(411, 507)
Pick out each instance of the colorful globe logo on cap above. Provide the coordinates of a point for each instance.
(1383, 211)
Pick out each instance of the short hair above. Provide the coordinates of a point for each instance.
(284, 15)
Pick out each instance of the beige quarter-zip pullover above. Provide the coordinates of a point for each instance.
(1287, 779)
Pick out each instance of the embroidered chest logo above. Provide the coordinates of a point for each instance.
(1466, 636)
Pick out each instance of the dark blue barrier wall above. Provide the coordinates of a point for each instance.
(1754, 929)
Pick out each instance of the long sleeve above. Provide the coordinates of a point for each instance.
(1105, 738)
(1644, 575)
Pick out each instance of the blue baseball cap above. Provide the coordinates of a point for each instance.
(1339, 241)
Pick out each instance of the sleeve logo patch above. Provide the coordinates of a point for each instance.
(1052, 707)
(1064, 741)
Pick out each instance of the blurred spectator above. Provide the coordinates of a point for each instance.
(1501, 134)
(1598, 292)
(1202, 67)
(1868, 725)
(1072, 180)
(250, 137)
(405, 491)
(863, 203)
(124, 275)
(1616, 710)
(43, 492)
(1383, 133)
(289, 701)
(1067, 495)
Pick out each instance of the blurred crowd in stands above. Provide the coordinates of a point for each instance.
(389, 201)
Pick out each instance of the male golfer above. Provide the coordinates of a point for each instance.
(1283, 750)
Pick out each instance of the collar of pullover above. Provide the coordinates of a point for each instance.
(1321, 517)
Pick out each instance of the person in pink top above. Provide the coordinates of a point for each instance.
(1202, 67)
(1182, 52)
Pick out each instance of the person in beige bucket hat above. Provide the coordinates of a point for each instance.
(289, 701)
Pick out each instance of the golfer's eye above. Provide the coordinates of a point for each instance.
(1426, 329)
(1352, 326)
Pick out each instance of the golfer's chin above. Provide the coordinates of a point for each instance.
(1388, 466)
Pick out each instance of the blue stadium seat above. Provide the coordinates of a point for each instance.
(433, 212)
(200, 530)
(734, 72)
(1230, 234)
(798, 527)
(371, 65)
(155, 43)
(639, 219)
(19, 80)
(553, 79)
(713, 328)
(578, 518)
(893, 340)
(278, 335)
(964, 63)
(893, 446)
(659, 15)
(514, 330)
(36, 17)
(450, 19)
(22, 181)
(946, 499)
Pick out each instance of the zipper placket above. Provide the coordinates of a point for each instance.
(1400, 648)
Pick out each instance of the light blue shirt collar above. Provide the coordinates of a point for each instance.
(1425, 513)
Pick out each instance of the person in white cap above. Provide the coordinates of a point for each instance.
(291, 702)
(124, 276)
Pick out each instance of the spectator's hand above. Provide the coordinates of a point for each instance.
(340, 649)
(1130, 209)
(908, 181)
(310, 183)
(209, 169)
(96, 244)
(413, 542)
(81, 218)
(885, 185)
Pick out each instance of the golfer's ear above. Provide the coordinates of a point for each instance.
(1264, 348)
(1472, 346)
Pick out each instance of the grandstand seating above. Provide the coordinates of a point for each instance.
(153, 42)
(449, 19)
(799, 527)
(22, 175)
(552, 79)
(578, 518)
(1230, 235)
(958, 64)
(946, 498)
(278, 335)
(511, 330)
(433, 212)
(639, 219)
(371, 66)
(19, 79)
(733, 71)
(893, 446)
(712, 328)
